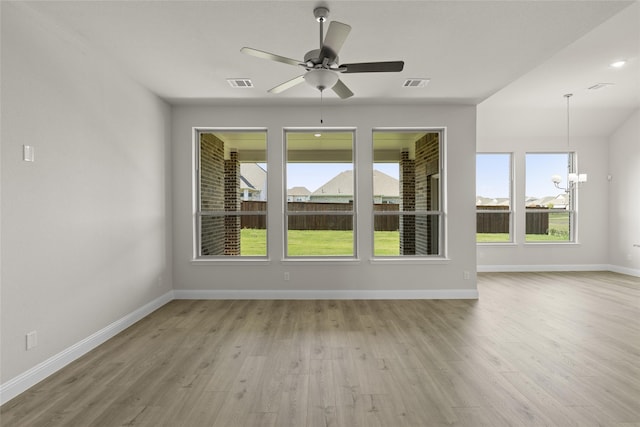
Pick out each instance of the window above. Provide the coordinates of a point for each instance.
(407, 207)
(231, 203)
(320, 182)
(550, 211)
(493, 198)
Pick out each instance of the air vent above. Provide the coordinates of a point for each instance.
(240, 83)
(415, 83)
(599, 86)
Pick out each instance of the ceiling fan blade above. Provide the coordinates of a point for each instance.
(372, 67)
(287, 85)
(342, 90)
(266, 55)
(333, 41)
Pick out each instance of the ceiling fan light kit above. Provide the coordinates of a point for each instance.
(321, 78)
(322, 65)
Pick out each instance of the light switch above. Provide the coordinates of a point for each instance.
(28, 153)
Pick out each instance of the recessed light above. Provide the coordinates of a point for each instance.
(317, 135)
(618, 64)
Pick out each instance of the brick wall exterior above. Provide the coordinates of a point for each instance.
(427, 164)
(407, 203)
(211, 194)
(232, 203)
(219, 191)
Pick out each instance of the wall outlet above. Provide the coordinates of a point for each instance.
(32, 339)
(466, 275)
(286, 276)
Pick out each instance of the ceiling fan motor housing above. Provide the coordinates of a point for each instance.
(312, 60)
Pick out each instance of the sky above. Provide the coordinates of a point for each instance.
(492, 174)
(314, 175)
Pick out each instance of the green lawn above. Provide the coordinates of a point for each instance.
(253, 242)
(386, 243)
(558, 232)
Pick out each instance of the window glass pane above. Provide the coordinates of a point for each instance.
(320, 182)
(549, 208)
(320, 235)
(416, 235)
(232, 185)
(406, 178)
(493, 197)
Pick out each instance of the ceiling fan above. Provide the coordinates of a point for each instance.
(322, 64)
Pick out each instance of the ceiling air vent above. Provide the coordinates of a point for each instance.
(415, 83)
(599, 86)
(240, 83)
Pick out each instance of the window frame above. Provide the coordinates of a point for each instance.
(285, 209)
(512, 208)
(198, 213)
(572, 211)
(440, 214)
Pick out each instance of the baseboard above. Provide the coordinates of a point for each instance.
(541, 268)
(327, 294)
(624, 270)
(27, 379)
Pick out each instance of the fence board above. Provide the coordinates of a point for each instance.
(319, 222)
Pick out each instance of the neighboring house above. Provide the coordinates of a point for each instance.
(561, 201)
(488, 201)
(386, 189)
(298, 194)
(253, 182)
(339, 189)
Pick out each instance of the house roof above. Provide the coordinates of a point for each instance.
(298, 191)
(252, 176)
(558, 200)
(342, 185)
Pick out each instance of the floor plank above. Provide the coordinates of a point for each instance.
(537, 349)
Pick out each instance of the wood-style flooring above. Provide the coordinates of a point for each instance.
(537, 349)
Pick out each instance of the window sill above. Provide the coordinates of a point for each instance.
(230, 261)
(552, 244)
(484, 244)
(406, 260)
(311, 261)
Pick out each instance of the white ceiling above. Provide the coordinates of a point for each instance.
(527, 53)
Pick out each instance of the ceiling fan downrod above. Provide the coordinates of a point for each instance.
(321, 14)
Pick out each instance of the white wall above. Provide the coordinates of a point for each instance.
(624, 197)
(329, 276)
(591, 251)
(85, 234)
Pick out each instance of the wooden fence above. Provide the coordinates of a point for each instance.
(498, 222)
(319, 222)
(486, 222)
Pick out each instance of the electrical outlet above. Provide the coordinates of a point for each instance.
(286, 276)
(32, 339)
(466, 275)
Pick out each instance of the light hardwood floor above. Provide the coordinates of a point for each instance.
(537, 349)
